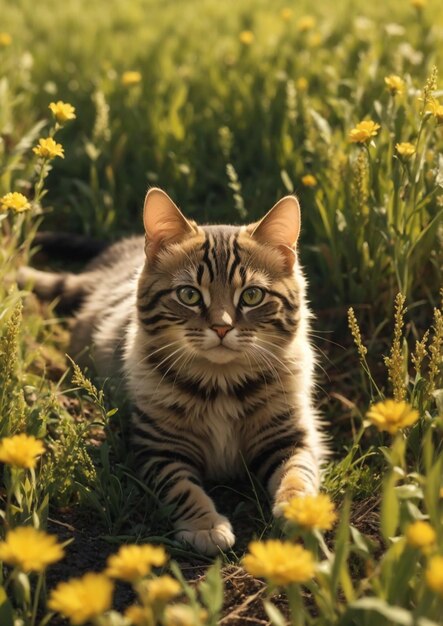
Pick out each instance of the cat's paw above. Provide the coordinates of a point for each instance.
(209, 540)
(291, 487)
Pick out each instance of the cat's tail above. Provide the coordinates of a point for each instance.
(69, 289)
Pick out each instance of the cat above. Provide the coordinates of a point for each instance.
(208, 326)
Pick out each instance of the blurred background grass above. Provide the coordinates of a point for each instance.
(234, 103)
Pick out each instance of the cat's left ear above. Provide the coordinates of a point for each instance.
(280, 227)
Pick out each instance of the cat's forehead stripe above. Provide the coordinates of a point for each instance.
(221, 257)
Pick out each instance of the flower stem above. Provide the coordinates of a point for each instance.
(296, 605)
(37, 593)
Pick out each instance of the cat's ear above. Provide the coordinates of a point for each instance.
(164, 222)
(280, 227)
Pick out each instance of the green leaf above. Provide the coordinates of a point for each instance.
(394, 614)
(287, 182)
(390, 509)
(211, 589)
(189, 591)
(6, 612)
(276, 617)
(341, 546)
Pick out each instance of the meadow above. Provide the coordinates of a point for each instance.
(228, 106)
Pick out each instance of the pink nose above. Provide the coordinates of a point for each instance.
(221, 330)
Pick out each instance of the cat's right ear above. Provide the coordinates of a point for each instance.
(164, 222)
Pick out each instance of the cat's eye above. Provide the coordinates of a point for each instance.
(189, 296)
(252, 296)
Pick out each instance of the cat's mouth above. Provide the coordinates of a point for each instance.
(220, 354)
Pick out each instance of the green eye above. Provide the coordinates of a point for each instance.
(252, 296)
(189, 296)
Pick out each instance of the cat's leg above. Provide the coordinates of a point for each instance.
(286, 462)
(195, 518)
(176, 478)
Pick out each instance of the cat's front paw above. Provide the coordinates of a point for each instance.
(291, 487)
(209, 540)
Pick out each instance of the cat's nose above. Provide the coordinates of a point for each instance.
(221, 330)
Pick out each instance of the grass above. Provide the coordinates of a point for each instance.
(235, 106)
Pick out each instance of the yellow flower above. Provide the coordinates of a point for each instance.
(305, 23)
(62, 111)
(436, 109)
(29, 549)
(139, 615)
(5, 40)
(131, 78)
(49, 149)
(133, 562)
(420, 535)
(280, 562)
(15, 201)
(286, 14)
(364, 131)
(159, 590)
(392, 416)
(405, 149)
(246, 37)
(418, 4)
(395, 84)
(308, 180)
(183, 615)
(81, 599)
(301, 83)
(315, 39)
(21, 450)
(434, 574)
(311, 511)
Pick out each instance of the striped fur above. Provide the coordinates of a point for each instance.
(205, 405)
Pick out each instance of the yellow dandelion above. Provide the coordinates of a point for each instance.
(246, 37)
(405, 149)
(21, 450)
(434, 574)
(131, 78)
(305, 23)
(49, 149)
(133, 562)
(308, 180)
(62, 111)
(280, 562)
(314, 40)
(392, 416)
(418, 4)
(395, 84)
(5, 40)
(436, 109)
(15, 201)
(311, 511)
(82, 599)
(286, 14)
(364, 131)
(29, 549)
(139, 615)
(420, 535)
(183, 615)
(159, 590)
(301, 83)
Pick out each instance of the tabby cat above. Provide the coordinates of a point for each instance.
(208, 326)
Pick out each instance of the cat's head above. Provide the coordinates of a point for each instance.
(219, 293)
